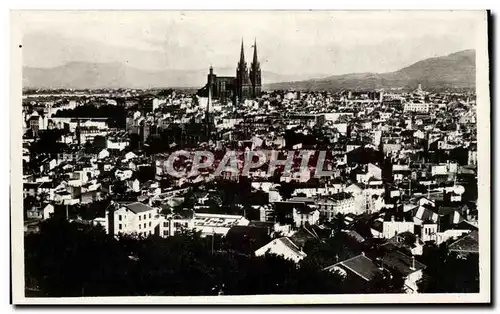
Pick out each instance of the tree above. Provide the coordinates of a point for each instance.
(448, 273)
(286, 190)
(70, 260)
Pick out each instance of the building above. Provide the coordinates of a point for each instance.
(331, 205)
(247, 84)
(398, 222)
(407, 267)
(42, 213)
(209, 224)
(283, 247)
(134, 218)
(416, 107)
(357, 269)
(466, 245)
(367, 197)
(305, 216)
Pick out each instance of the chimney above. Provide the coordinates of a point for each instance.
(412, 263)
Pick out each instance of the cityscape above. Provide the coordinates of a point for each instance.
(246, 185)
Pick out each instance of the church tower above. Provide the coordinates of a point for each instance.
(255, 75)
(243, 83)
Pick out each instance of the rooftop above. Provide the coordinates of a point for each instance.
(359, 265)
(402, 263)
(216, 220)
(468, 243)
(138, 207)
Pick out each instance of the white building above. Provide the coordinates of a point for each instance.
(367, 198)
(304, 216)
(331, 205)
(219, 224)
(283, 247)
(416, 107)
(134, 218)
(394, 224)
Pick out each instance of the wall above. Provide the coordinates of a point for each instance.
(391, 228)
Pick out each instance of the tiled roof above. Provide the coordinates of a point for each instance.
(469, 243)
(401, 262)
(360, 265)
(138, 207)
(289, 244)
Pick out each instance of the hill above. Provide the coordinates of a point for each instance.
(456, 70)
(82, 75)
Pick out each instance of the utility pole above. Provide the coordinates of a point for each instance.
(213, 237)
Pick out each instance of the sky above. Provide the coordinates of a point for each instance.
(289, 42)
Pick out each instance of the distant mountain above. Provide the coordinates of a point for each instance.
(456, 70)
(81, 75)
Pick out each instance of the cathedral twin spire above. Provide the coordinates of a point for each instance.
(255, 62)
(244, 75)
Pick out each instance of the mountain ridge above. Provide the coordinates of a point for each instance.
(455, 70)
(82, 75)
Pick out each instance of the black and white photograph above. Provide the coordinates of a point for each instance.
(262, 157)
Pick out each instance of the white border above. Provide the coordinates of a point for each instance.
(483, 100)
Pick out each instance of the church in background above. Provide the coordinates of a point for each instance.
(246, 85)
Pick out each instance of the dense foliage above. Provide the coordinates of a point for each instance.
(66, 259)
(448, 273)
(116, 114)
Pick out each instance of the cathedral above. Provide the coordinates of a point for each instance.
(246, 85)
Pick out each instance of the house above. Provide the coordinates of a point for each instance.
(453, 226)
(466, 245)
(425, 212)
(358, 269)
(372, 171)
(397, 222)
(133, 185)
(41, 213)
(294, 211)
(304, 216)
(129, 156)
(134, 218)
(367, 197)
(408, 241)
(407, 267)
(283, 247)
(175, 223)
(266, 212)
(103, 154)
(31, 188)
(331, 205)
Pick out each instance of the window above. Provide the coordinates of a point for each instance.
(150, 223)
(120, 226)
(139, 218)
(149, 215)
(165, 233)
(144, 225)
(120, 217)
(139, 226)
(165, 224)
(144, 216)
